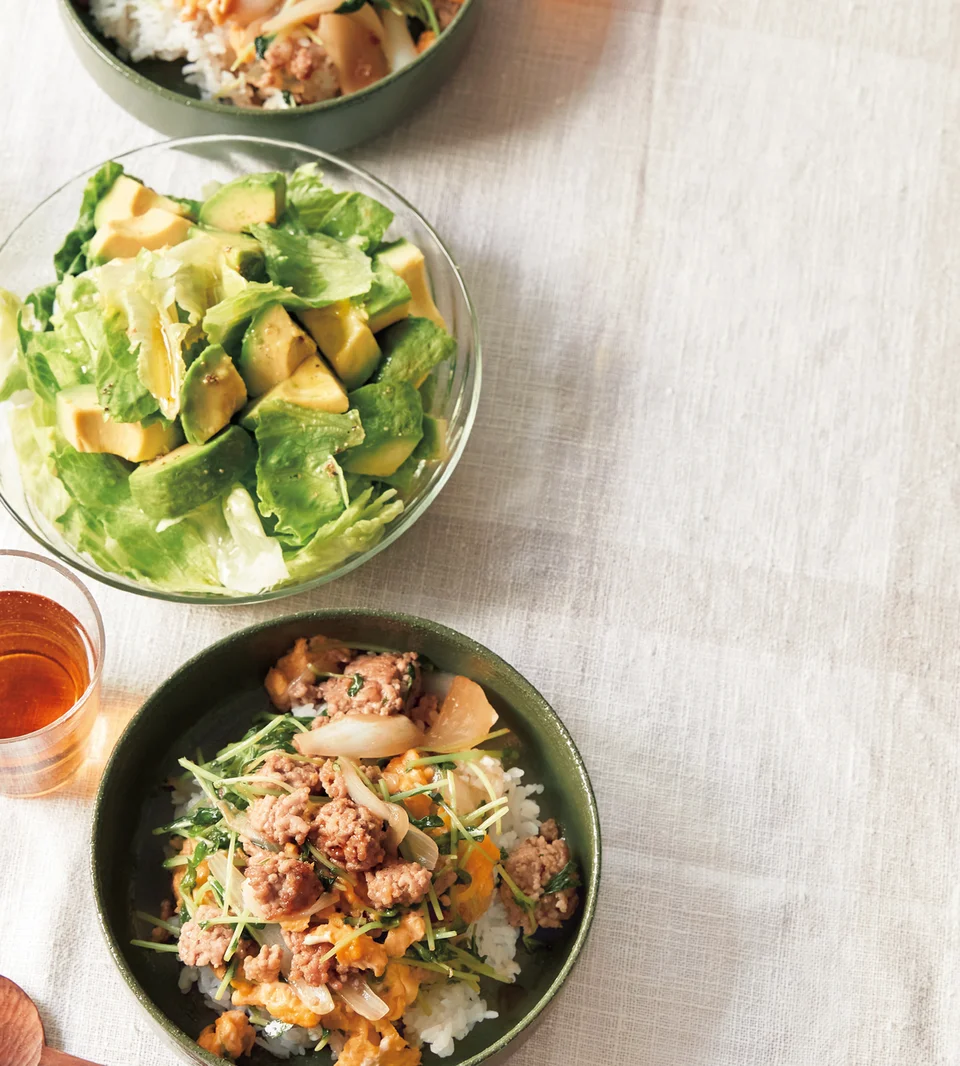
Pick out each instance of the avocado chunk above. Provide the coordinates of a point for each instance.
(433, 444)
(273, 347)
(389, 297)
(241, 251)
(342, 334)
(392, 417)
(155, 228)
(411, 349)
(313, 385)
(409, 262)
(211, 394)
(128, 198)
(87, 427)
(193, 473)
(245, 201)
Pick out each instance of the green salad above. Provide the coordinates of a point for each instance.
(226, 394)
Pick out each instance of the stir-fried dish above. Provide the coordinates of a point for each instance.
(228, 394)
(355, 872)
(276, 54)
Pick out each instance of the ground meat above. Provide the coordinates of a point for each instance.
(299, 66)
(445, 879)
(550, 831)
(531, 865)
(306, 965)
(390, 683)
(294, 680)
(349, 835)
(230, 1036)
(397, 884)
(426, 711)
(204, 947)
(447, 11)
(283, 819)
(265, 966)
(293, 772)
(332, 780)
(282, 886)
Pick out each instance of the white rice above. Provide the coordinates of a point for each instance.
(153, 29)
(497, 940)
(444, 1012)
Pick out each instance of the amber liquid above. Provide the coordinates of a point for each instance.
(44, 662)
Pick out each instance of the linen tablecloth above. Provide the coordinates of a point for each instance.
(711, 507)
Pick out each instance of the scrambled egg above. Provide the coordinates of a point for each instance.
(230, 1036)
(372, 1048)
(277, 998)
(400, 780)
(469, 902)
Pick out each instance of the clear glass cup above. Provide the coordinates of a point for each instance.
(183, 167)
(40, 761)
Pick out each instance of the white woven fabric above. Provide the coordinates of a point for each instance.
(711, 508)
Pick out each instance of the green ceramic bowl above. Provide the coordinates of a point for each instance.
(156, 93)
(211, 700)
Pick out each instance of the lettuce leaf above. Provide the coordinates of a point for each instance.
(119, 388)
(298, 480)
(147, 300)
(71, 257)
(248, 560)
(348, 216)
(13, 377)
(360, 527)
(226, 321)
(318, 268)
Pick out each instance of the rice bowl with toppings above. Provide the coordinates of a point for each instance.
(363, 869)
(277, 54)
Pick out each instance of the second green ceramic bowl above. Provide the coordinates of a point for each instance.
(155, 92)
(210, 701)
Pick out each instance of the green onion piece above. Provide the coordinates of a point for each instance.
(152, 919)
(153, 946)
(431, 944)
(350, 938)
(434, 902)
(227, 977)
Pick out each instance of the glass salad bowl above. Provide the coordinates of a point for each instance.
(223, 563)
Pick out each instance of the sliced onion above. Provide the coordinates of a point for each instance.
(362, 998)
(397, 43)
(466, 717)
(361, 736)
(421, 848)
(316, 997)
(250, 904)
(436, 683)
(367, 17)
(295, 13)
(394, 814)
(217, 865)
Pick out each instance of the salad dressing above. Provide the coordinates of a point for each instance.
(44, 662)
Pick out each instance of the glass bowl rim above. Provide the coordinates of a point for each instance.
(592, 888)
(99, 652)
(128, 72)
(404, 522)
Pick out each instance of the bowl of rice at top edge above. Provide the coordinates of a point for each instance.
(345, 836)
(329, 72)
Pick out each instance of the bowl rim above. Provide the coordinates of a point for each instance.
(403, 523)
(591, 894)
(92, 41)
